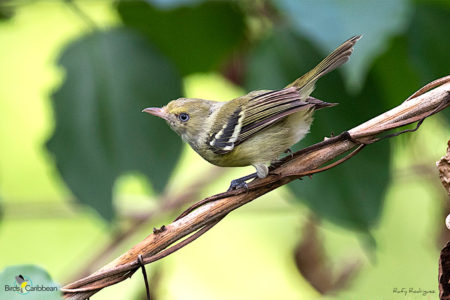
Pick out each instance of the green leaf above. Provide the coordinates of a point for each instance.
(6, 10)
(39, 284)
(429, 42)
(328, 23)
(100, 131)
(352, 193)
(196, 38)
(169, 4)
(395, 75)
(419, 57)
(279, 60)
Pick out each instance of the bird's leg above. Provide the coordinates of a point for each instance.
(241, 182)
(277, 162)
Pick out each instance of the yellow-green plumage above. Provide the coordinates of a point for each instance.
(254, 129)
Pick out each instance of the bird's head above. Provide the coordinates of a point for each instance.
(185, 116)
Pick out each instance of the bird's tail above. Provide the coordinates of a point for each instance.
(305, 84)
(318, 104)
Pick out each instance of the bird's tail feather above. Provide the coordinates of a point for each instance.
(305, 84)
(318, 104)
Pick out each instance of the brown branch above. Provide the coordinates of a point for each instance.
(304, 162)
(168, 203)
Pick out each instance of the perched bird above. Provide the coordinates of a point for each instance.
(254, 129)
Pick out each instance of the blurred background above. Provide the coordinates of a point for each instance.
(84, 174)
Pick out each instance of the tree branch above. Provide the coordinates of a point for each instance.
(168, 203)
(208, 212)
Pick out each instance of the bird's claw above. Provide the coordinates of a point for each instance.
(237, 184)
(289, 152)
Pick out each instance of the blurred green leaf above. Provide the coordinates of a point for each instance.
(396, 77)
(196, 38)
(34, 276)
(6, 12)
(430, 42)
(352, 193)
(168, 4)
(328, 23)
(279, 60)
(100, 130)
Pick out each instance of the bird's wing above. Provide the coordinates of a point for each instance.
(20, 279)
(265, 108)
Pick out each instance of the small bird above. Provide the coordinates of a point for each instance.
(22, 282)
(254, 129)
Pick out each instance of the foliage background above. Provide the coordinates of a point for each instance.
(79, 163)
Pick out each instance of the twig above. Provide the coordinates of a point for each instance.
(144, 274)
(168, 203)
(155, 246)
(130, 268)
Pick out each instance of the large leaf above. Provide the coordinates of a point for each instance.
(350, 194)
(100, 130)
(420, 56)
(197, 38)
(328, 23)
(430, 42)
(395, 75)
(37, 284)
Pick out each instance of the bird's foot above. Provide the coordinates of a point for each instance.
(241, 182)
(238, 184)
(289, 152)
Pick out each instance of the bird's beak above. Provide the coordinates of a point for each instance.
(156, 111)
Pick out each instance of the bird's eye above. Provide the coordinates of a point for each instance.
(183, 117)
